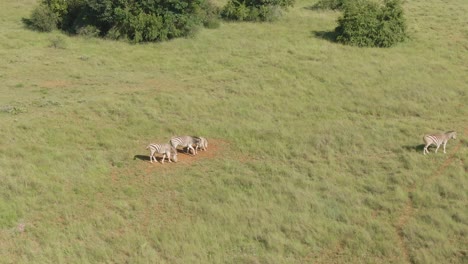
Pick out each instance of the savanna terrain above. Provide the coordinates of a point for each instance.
(314, 156)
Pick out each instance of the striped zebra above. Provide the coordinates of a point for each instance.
(185, 141)
(166, 149)
(438, 139)
(202, 144)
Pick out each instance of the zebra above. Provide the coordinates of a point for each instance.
(185, 141)
(438, 139)
(165, 149)
(202, 144)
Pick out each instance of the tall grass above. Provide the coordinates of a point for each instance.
(321, 149)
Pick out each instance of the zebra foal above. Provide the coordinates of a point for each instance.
(438, 139)
(166, 149)
(185, 141)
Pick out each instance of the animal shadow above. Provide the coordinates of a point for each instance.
(147, 158)
(184, 151)
(414, 148)
(141, 157)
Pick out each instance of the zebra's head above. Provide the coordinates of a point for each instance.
(174, 154)
(452, 134)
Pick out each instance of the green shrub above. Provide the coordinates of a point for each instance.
(209, 14)
(136, 21)
(254, 10)
(88, 31)
(42, 19)
(330, 4)
(370, 24)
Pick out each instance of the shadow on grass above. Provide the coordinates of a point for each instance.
(147, 158)
(27, 23)
(141, 157)
(415, 148)
(326, 35)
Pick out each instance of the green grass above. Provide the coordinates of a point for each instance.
(320, 160)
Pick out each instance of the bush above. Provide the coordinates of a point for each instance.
(42, 19)
(369, 24)
(254, 10)
(209, 14)
(136, 21)
(88, 31)
(330, 4)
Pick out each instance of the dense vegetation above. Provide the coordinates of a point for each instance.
(151, 20)
(255, 10)
(330, 4)
(364, 22)
(371, 24)
(315, 149)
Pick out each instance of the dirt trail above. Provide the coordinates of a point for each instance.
(408, 210)
(330, 255)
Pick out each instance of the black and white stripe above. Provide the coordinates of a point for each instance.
(166, 149)
(185, 141)
(438, 139)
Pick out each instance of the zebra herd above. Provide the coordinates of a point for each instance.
(438, 139)
(169, 150)
(192, 144)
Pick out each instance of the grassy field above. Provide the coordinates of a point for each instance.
(315, 152)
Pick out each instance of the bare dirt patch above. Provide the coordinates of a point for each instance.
(55, 84)
(161, 205)
(215, 147)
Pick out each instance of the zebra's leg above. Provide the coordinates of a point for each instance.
(169, 156)
(191, 148)
(164, 156)
(445, 143)
(438, 146)
(151, 156)
(425, 149)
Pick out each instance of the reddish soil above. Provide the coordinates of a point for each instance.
(215, 146)
(55, 84)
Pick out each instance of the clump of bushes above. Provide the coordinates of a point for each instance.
(254, 10)
(136, 21)
(42, 19)
(370, 24)
(330, 4)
